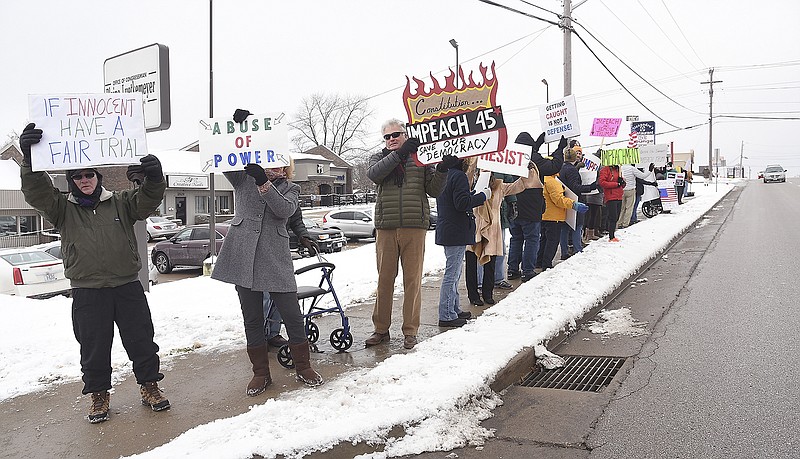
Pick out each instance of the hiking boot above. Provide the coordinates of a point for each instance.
(409, 341)
(377, 338)
(513, 275)
(151, 396)
(98, 412)
(464, 315)
(458, 322)
(277, 341)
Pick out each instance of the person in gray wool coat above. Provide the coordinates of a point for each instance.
(255, 258)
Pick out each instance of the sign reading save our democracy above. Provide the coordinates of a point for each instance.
(87, 130)
(460, 118)
(261, 139)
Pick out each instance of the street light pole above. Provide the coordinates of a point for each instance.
(547, 100)
(454, 44)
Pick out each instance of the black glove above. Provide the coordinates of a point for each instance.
(525, 139)
(151, 167)
(562, 144)
(257, 172)
(620, 181)
(309, 244)
(511, 211)
(29, 136)
(240, 115)
(135, 173)
(408, 147)
(448, 161)
(538, 143)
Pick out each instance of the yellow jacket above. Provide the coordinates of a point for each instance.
(556, 204)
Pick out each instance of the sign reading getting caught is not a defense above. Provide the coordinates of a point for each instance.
(460, 118)
(261, 139)
(87, 130)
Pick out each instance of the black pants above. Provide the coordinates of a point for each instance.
(252, 302)
(94, 313)
(487, 284)
(613, 208)
(593, 220)
(548, 245)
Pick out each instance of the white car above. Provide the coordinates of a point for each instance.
(354, 223)
(774, 173)
(31, 273)
(161, 227)
(54, 249)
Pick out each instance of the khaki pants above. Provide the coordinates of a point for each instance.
(406, 245)
(628, 199)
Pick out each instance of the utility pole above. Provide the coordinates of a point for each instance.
(710, 84)
(566, 24)
(212, 215)
(741, 157)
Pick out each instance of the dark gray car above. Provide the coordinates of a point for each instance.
(187, 248)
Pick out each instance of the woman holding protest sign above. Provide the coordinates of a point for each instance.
(256, 259)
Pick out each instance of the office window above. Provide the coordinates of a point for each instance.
(8, 225)
(320, 169)
(223, 204)
(28, 224)
(201, 204)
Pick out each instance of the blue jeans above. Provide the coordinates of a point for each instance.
(567, 232)
(524, 245)
(448, 292)
(273, 322)
(634, 217)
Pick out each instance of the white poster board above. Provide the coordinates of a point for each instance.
(591, 164)
(656, 154)
(571, 213)
(560, 118)
(261, 139)
(483, 181)
(513, 160)
(87, 130)
(668, 195)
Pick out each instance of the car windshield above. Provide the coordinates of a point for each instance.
(159, 220)
(775, 169)
(310, 223)
(23, 258)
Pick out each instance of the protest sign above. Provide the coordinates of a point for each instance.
(571, 213)
(560, 118)
(645, 131)
(668, 195)
(261, 139)
(87, 130)
(605, 127)
(591, 164)
(512, 160)
(620, 156)
(656, 154)
(461, 118)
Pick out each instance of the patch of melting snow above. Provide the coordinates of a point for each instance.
(617, 321)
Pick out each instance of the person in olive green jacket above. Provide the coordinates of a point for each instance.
(102, 263)
(402, 216)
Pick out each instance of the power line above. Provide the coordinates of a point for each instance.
(683, 34)
(543, 9)
(664, 33)
(489, 2)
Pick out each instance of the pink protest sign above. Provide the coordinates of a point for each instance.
(605, 127)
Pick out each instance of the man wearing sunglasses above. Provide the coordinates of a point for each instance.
(102, 264)
(402, 216)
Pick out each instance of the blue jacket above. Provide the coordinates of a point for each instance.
(571, 177)
(456, 222)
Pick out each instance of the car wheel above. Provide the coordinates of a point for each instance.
(162, 263)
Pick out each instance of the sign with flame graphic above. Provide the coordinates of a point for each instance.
(455, 119)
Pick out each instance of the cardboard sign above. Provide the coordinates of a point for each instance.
(512, 160)
(261, 139)
(656, 154)
(560, 118)
(87, 130)
(466, 134)
(605, 127)
(571, 213)
(461, 118)
(620, 156)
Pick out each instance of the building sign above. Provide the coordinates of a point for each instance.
(261, 139)
(145, 71)
(187, 181)
(460, 118)
(87, 130)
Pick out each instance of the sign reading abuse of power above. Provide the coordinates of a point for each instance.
(260, 139)
(87, 130)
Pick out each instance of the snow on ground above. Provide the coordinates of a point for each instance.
(440, 391)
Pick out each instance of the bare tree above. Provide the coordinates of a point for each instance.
(339, 122)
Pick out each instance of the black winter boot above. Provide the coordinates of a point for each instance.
(261, 378)
(302, 365)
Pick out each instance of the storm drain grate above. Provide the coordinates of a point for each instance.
(587, 374)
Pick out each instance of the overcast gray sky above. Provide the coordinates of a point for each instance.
(268, 55)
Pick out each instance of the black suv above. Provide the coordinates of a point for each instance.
(328, 240)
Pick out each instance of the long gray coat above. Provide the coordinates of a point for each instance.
(255, 253)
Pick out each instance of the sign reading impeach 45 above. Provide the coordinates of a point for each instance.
(87, 130)
(260, 139)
